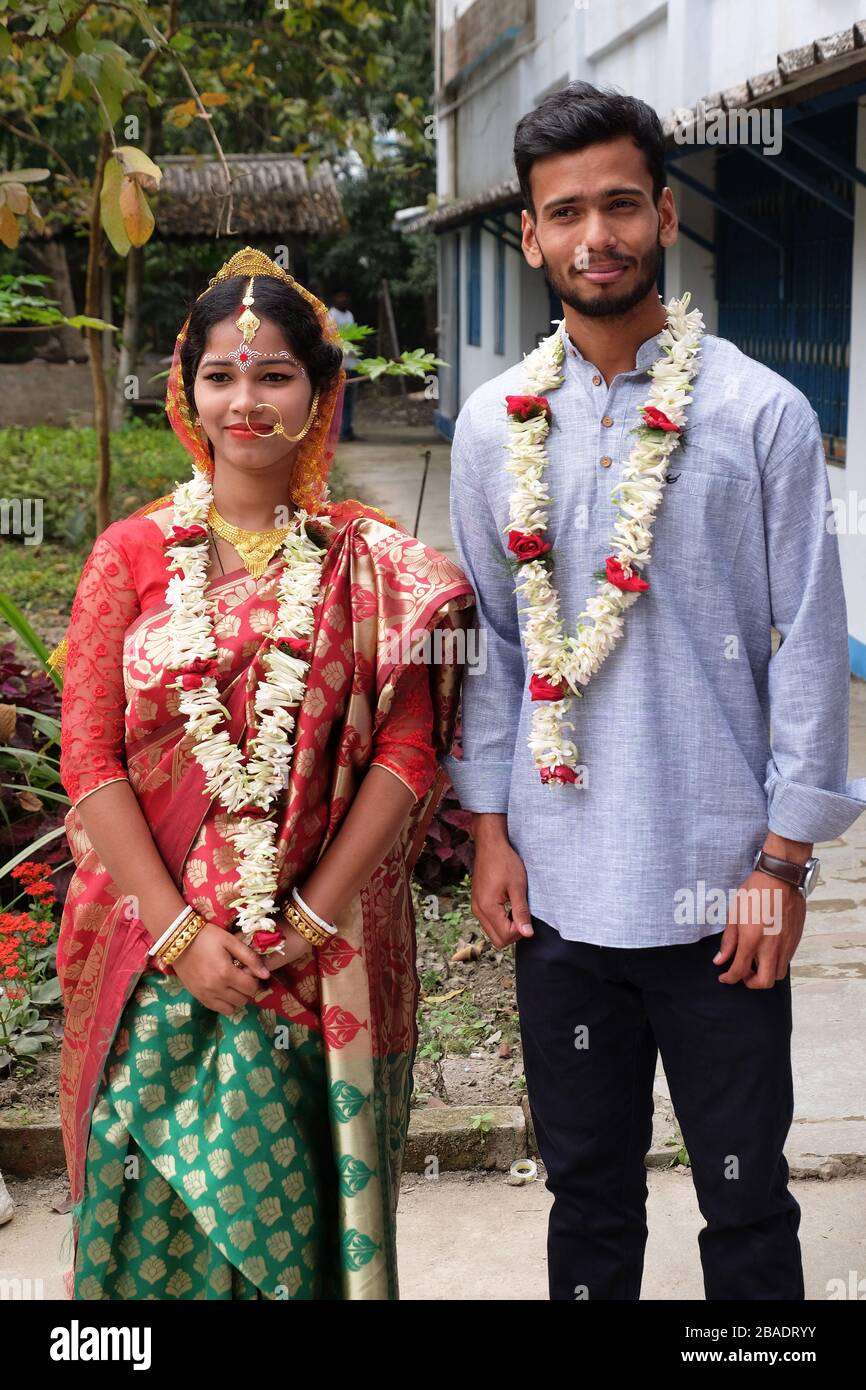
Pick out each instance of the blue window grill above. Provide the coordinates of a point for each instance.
(473, 287)
(499, 338)
(791, 310)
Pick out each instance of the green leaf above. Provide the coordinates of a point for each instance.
(110, 209)
(17, 621)
(46, 993)
(30, 850)
(84, 321)
(45, 723)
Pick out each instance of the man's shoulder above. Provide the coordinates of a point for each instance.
(723, 362)
(486, 404)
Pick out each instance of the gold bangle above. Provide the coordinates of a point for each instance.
(179, 926)
(184, 937)
(313, 934)
(315, 927)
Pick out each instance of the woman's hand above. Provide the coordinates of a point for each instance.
(293, 948)
(207, 968)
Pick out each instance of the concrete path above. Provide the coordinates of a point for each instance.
(829, 970)
(472, 1236)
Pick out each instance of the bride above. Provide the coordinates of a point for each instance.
(251, 757)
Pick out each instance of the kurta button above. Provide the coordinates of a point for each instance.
(606, 420)
(596, 380)
(606, 462)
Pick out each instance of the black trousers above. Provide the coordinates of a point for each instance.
(593, 1020)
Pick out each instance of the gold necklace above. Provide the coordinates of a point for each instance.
(254, 547)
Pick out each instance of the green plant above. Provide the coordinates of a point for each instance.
(28, 959)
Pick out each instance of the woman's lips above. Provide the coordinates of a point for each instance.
(603, 275)
(241, 432)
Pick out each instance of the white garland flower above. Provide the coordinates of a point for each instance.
(233, 778)
(573, 659)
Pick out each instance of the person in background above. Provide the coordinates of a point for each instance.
(342, 315)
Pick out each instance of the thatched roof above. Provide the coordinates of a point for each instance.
(272, 195)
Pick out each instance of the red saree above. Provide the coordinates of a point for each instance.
(382, 591)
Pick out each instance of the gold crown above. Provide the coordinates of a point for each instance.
(249, 261)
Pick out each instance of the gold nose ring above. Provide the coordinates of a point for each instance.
(278, 427)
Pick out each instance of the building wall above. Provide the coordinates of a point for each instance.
(849, 483)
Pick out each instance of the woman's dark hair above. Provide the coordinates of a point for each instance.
(579, 115)
(273, 300)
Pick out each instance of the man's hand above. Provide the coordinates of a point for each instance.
(764, 925)
(499, 876)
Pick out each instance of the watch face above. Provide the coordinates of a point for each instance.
(812, 867)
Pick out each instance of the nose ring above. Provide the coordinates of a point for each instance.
(278, 427)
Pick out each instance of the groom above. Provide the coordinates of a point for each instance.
(643, 918)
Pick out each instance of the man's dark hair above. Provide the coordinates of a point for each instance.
(579, 115)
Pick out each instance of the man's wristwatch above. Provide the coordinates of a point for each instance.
(803, 877)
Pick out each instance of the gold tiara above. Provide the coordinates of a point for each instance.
(249, 261)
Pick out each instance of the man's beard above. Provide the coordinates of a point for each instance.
(609, 305)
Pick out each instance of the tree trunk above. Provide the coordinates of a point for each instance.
(128, 357)
(93, 308)
(50, 257)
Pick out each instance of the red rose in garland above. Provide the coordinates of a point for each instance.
(527, 407)
(617, 575)
(526, 545)
(657, 420)
(185, 535)
(543, 688)
(560, 773)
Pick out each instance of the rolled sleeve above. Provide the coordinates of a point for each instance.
(808, 795)
(492, 691)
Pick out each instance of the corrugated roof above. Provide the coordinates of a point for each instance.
(800, 73)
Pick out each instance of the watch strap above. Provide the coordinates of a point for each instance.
(795, 874)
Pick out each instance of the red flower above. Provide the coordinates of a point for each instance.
(295, 646)
(616, 575)
(543, 688)
(527, 546)
(185, 535)
(251, 810)
(560, 773)
(657, 420)
(30, 869)
(263, 939)
(43, 890)
(194, 672)
(528, 407)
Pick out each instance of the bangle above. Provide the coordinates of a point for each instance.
(164, 953)
(183, 938)
(308, 930)
(311, 915)
(169, 931)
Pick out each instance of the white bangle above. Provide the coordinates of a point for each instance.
(326, 926)
(184, 912)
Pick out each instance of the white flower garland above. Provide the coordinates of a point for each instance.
(573, 659)
(234, 779)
